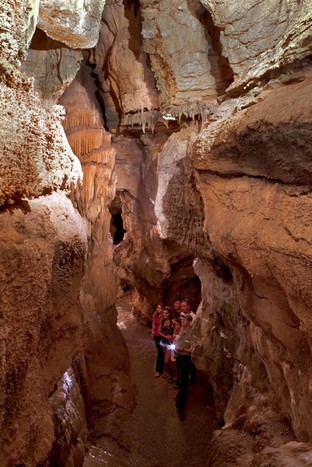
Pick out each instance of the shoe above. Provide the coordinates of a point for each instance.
(157, 374)
(170, 381)
(176, 386)
(165, 376)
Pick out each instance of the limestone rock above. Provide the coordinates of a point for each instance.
(262, 140)
(257, 200)
(118, 51)
(178, 205)
(180, 40)
(52, 65)
(18, 20)
(75, 23)
(35, 155)
(69, 418)
(109, 389)
(43, 246)
(260, 36)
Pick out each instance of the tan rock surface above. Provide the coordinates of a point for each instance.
(239, 199)
(178, 205)
(259, 36)
(184, 59)
(52, 65)
(120, 50)
(18, 20)
(262, 140)
(257, 216)
(35, 155)
(75, 23)
(109, 389)
(43, 246)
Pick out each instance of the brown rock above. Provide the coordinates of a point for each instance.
(43, 248)
(75, 23)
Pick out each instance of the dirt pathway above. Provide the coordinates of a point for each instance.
(153, 433)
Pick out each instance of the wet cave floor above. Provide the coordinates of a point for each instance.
(153, 435)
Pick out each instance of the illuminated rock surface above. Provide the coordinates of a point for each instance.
(182, 166)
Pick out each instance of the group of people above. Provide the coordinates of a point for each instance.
(171, 331)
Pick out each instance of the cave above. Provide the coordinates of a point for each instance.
(116, 225)
(151, 152)
(117, 229)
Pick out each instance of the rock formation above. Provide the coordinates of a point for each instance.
(61, 351)
(168, 145)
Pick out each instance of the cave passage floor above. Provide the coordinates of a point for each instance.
(153, 435)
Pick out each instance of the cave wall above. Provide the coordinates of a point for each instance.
(61, 350)
(195, 117)
(262, 205)
(233, 191)
(107, 364)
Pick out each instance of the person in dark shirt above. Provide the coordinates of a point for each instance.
(184, 362)
(156, 319)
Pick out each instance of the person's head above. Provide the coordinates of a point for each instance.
(159, 308)
(177, 326)
(177, 305)
(185, 306)
(186, 319)
(166, 312)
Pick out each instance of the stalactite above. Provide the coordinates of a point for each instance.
(143, 119)
(199, 109)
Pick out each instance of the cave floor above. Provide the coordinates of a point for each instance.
(153, 435)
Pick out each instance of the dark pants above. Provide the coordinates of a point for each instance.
(184, 365)
(193, 373)
(160, 361)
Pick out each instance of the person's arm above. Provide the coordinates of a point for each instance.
(177, 344)
(170, 337)
(160, 330)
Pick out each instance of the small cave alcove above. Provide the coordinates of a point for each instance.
(183, 283)
(117, 230)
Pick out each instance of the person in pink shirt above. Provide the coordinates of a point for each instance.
(165, 331)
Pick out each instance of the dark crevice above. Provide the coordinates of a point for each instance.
(133, 15)
(117, 230)
(17, 203)
(99, 95)
(222, 270)
(40, 41)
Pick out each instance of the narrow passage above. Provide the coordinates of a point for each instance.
(153, 434)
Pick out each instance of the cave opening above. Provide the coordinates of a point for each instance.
(117, 230)
(183, 283)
